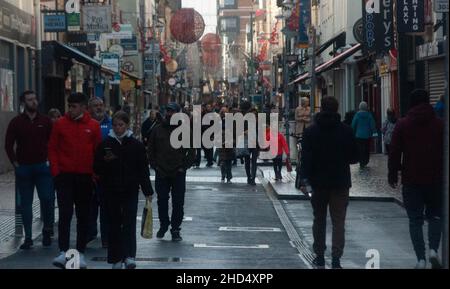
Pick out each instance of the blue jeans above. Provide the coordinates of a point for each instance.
(420, 199)
(36, 176)
(176, 186)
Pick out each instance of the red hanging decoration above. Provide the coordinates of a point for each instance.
(187, 26)
(211, 47)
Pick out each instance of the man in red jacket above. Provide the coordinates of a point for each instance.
(417, 151)
(71, 153)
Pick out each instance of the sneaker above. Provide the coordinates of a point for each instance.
(434, 260)
(161, 233)
(176, 236)
(27, 244)
(228, 181)
(421, 264)
(46, 239)
(336, 263)
(117, 266)
(83, 264)
(60, 261)
(319, 262)
(130, 263)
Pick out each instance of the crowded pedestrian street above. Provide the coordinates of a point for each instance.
(261, 135)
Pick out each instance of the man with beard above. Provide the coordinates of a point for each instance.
(30, 132)
(96, 108)
(170, 165)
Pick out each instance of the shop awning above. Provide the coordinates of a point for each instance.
(130, 75)
(80, 57)
(340, 41)
(329, 64)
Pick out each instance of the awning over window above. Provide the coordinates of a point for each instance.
(329, 64)
(80, 57)
(130, 75)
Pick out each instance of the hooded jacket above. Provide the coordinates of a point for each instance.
(127, 168)
(363, 125)
(417, 148)
(165, 159)
(328, 149)
(72, 145)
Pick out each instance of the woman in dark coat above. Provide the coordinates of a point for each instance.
(122, 165)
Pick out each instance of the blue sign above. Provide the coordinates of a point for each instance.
(305, 23)
(55, 22)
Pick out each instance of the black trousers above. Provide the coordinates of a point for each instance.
(364, 151)
(337, 202)
(122, 213)
(73, 190)
(250, 164)
(175, 186)
(278, 166)
(98, 206)
(209, 156)
(225, 168)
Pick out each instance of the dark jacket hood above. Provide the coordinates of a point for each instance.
(328, 119)
(422, 113)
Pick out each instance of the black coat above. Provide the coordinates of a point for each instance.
(127, 170)
(328, 149)
(165, 159)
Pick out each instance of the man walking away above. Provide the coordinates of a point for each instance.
(363, 125)
(170, 165)
(30, 132)
(71, 152)
(328, 149)
(417, 151)
(97, 112)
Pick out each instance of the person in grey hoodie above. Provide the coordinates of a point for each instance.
(363, 125)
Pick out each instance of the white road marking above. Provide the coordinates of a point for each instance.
(185, 219)
(214, 180)
(232, 246)
(249, 229)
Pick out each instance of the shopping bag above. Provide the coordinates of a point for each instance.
(147, 221)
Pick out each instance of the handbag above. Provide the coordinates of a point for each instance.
(147, 221)
(242, 147)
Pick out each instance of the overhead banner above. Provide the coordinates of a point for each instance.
(410, 16)
(305, 23)
(378, 25)
(97, 19)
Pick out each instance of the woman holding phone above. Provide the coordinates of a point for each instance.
(122, 165)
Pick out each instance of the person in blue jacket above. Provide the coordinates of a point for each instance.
(97, 111)
(363, 125)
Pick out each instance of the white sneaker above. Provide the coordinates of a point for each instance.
(60, 261)
(130, 263)
(434, 260)
(117, 266)
(83, 264)
(422, 264)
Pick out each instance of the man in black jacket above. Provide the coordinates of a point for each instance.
(170, 165)
(328, 149)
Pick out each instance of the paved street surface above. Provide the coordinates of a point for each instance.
(236, 226)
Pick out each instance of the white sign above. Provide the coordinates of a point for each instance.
(441, 6)
(172, 82)
(117, 49)
(97, 19)
(120, 31)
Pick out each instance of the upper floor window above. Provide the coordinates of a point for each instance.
(229, 24)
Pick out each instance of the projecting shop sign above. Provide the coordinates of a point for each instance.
(410, 16)
(378, 25)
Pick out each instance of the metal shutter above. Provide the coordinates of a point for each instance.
(436, 79)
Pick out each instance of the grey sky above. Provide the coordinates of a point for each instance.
(208, 9)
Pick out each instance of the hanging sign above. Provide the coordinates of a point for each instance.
(410, 16)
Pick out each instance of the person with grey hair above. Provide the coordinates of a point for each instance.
(302, 117)
(97, 110)
(363, 125)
